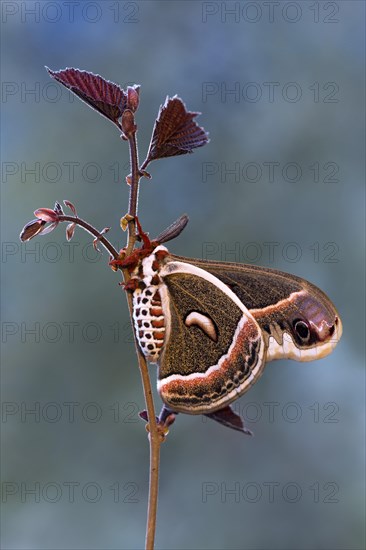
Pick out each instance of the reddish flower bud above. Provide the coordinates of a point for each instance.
(128, 123)
(133, 97)
(145, 174)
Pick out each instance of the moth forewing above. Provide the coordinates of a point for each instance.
(214, 350)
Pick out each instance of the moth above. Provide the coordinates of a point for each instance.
(211, 327)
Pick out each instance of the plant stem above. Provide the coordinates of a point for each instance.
(144, 164)
(155, 439)
(155, 443)
(90, 229)
(135, 178)
(154, 436)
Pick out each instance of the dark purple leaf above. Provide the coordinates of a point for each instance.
(104, 96)
(143, 415)
(95, 245)
(97, 239)
(32, 229)
(70, 230)
(71, 206)
(49, 228)
(36, 227)
(47, 215)
(175, 131)
(229, 418)
(58, 208)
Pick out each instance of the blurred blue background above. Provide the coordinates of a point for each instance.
(281, 89)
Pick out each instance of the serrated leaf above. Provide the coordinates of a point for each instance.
(104, 96)
(175, 131)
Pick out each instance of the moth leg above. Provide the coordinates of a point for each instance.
(166, 416)
(229, 418)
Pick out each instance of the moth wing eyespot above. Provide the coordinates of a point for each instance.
(302, 329)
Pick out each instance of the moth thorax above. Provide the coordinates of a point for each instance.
(149, 321)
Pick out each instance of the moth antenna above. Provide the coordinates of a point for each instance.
(173, 231)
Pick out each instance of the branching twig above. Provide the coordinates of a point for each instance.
(90, 229)
(154, 436)
(175, 133)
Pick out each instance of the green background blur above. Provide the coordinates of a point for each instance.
(293, 135)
